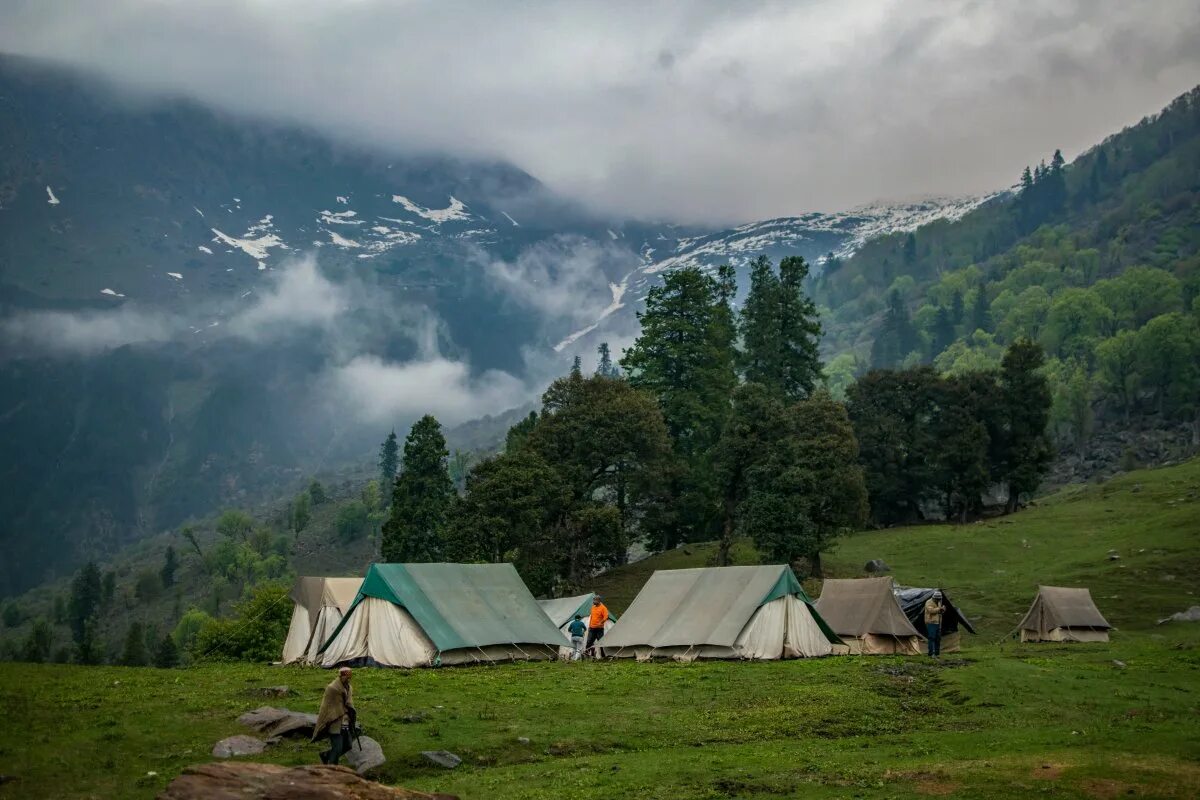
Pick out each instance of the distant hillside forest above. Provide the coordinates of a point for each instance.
(1096, 260)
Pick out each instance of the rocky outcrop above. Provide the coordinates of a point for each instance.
(248, 781)
(239, 745)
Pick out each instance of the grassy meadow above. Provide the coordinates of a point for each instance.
(999, 720)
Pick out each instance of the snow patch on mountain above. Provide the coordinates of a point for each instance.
(510, 219)
(457, 210)
(53, 200)
(256, 242)
(341, 241)
(176, 275)
(204, 249)
(111, 293)
(339, 218)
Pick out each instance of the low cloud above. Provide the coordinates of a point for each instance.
(564, 279)
(380, 391)
(68, 333)
(692, 111)
(300, 296)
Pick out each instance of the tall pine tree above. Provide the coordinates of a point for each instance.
(421, 497)
(604, 367)
(685, 359)
(799, 332)
(389, 463)
(1025, 452)
(760, 325)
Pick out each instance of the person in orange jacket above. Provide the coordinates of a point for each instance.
(596, 623)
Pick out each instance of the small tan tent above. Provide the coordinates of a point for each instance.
(1060, 614)
(720, 612)
(319, 605)
(865, 613)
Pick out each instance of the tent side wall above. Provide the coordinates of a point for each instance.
(298, 636)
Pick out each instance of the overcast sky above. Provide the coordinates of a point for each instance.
(700, 111)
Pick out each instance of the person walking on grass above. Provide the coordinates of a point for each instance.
(933, 624)
(596, 623)
(334, 717)
(577, 629)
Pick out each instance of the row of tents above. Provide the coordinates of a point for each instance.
(409, 615)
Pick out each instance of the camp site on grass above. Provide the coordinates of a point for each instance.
(954, 622)
(720, 612)
(865, 613)
(319, 606)
(561, 610)
(411, 615)
(1062, 614)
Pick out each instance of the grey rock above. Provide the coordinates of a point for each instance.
(876, 565)
(240, 745)
(1118, 663)
(522, 740)
(1114, 557)
(279, 721)
(365, 755)
(443, 758)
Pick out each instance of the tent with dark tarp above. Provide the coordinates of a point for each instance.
(912, 600)
(1061, 614)
(410, 615)
(865, 613)
(720, 612)
(319, 604)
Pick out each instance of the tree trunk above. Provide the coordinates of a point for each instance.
(814, 565)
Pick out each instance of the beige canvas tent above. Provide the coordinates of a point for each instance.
(319, 605)
(412, 615)
(720, 612)
(865, 613)
(1060, 614)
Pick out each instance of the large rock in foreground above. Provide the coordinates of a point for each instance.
(247, 781)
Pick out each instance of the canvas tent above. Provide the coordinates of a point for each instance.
(720, 612)
(1060, 614)
(409, 615)
(865, 613)
(912, 600)
(319, 605)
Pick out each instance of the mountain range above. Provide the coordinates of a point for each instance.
(198, 309)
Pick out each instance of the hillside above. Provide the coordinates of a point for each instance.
(1005, 721)
(992, 568)
(1097, 259)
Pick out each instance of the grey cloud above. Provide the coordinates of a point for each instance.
(85, 332)
(697, 111)
(299, 297)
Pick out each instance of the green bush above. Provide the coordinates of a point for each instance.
(255, 632)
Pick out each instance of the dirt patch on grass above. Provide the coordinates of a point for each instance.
(926, 784)
(1048, 772)
(1105, 789)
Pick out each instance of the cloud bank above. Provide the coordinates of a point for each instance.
(694, 111)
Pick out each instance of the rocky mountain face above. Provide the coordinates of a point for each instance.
(196, 309)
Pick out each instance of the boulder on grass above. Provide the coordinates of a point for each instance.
(249, 781)
(239, 745)
(279, 721)
(365, 755)
(876, 566)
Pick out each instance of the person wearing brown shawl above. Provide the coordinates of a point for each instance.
(333, 720)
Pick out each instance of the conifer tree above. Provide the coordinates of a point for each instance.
(981, 313)
(421, 497)
(389, 462)
(685, 359)
(799, 332)
(604, 367)
(166, 655)
(170, 565)
(85, 600)
(134, 653)
(897, 336)
(1025, 394)
(760, 324)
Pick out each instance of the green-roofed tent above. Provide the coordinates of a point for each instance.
(721, 612)
(409, 615)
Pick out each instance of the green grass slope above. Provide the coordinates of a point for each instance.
(992, 568)
(996, 721)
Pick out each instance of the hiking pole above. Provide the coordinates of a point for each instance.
(354, 729)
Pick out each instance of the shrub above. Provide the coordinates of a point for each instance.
(255, 632)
